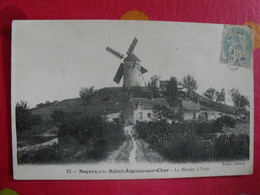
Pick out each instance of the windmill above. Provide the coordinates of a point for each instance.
(130, 68)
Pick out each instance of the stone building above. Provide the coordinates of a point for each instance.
(142, 109)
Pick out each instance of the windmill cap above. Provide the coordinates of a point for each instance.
(132, 57)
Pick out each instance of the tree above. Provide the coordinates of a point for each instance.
(85, 94)
(215, 96)
(189, 84)
(172, 90)
(221, 96)
(153, 85)
(58, 116)
(136, 91)
(25, 120)
(241, 102)
(162, 112)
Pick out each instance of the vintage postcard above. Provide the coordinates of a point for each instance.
(101, 99)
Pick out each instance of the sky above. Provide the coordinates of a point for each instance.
(53, 60)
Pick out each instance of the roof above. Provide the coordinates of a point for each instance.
(190, 105)
(132, 57)
(148, 103)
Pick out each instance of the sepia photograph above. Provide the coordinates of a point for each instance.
(131, 100)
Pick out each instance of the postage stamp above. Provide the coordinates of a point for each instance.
(237, 44)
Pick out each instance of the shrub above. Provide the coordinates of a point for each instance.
(232, 147)
(182, 142)
(58, 116)
(203, 128)
(182, 148)
(25, 120)
(226, 121)
(42, 156)
(93, 137)
(215, 126)
(175, 142)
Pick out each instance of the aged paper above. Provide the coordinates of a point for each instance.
(131, 99)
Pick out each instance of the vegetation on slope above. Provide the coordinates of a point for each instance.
(81, 139)
(191, 142)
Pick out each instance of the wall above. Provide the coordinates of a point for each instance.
(188, 115)
(132, 75)
(145, 115)
(128, 113)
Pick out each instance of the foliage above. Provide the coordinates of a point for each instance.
(232, 147)
(241, 102)
(189, 84)
(162, 112)
(45, 155)
(172, 90)
(47, 103)
(215, 126)
(81, 139)
(215, 96)
(136, 91)
(153, 85)
(25, 120)
(203, 128)
(191, 142)
(58, 116)
(226, 121)
(175, 142)
(85, 94)
(89, 137)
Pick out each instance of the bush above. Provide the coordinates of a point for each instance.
(226, 121)
(203, 128)
(42, 156)
(175, 142)
(92, 137)
(232, 147)
(58, 116)
(216, 126)
(184, 143)
(25, 120)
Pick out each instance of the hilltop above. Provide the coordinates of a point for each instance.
(206, 104)
(104, 101)
(112, 100)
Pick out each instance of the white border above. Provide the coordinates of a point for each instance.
(58, 172)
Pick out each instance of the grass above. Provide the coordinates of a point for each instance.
(181, 143)
(81, 139)
(35, 135)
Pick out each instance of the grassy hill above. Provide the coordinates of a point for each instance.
(111, 100)
(206, 104)
(104, 101)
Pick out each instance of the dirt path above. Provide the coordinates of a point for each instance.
(134, 150)
(129, 132)
(146, 154)
(122, 154)
(36, 147)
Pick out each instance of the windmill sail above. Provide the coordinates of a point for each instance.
(132, 46)
(130, 68)
(143, 70)
(119, 74)
(132, 57)
(115, 53)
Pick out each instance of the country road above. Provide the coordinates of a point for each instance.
(134, 150)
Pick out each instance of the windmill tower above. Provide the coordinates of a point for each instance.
(130, 69)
